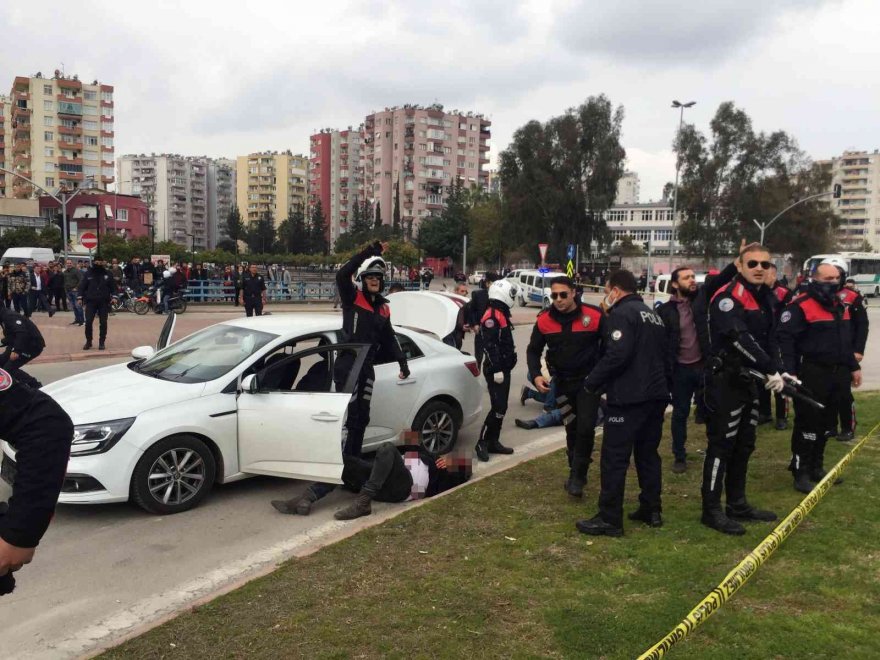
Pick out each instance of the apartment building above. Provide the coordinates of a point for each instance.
(627, 189)
(221, 197)
(858, 173)
(422, 151)
(56, 132)
(273, 182)
(642, 223)
(176, 190)
(336, 176)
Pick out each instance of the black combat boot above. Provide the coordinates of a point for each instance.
(597, 527)
(527, 424)
(716, 519)
(495, 447)
(742, 510)
(301, 506)
(647, 516)
(482, 451)
(802, 482)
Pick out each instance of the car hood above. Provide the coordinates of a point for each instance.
(116, 392)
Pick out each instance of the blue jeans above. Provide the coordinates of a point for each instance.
(77, 309)
(554, 417)
(685, 381)
(540, 397)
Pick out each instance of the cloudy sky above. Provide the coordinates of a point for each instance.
(222, 78)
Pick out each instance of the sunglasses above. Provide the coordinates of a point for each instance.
(766, 265)
(561, 295)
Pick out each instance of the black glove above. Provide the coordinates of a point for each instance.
(7, 582)
(404, 369)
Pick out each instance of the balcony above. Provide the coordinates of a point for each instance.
(69, 144)
(70, 130)
(21, 145)
(18, 111)
(69, 109)
(21, 96)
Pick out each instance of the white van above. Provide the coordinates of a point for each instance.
(663, 287)
(533, 286)
(20, 255)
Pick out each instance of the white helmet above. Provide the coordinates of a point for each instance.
(166, 274)
(371, 266)
(503, 291)
(836, 261)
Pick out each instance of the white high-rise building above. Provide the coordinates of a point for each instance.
(221, 197)
(858, 173)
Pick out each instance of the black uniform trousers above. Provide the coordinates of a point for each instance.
(102, 309)
(490, 434)
(633, 430)
(829, 385)
(781, 404)
(847, 410)
(580, 410)
(732, 402)
(253, 306)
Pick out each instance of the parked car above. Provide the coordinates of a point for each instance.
(243, 397)
(476, 277)
(663, 287)
(533, 286)
(20, 255)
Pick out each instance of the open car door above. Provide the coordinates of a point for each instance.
(291, 415)
(167, 331)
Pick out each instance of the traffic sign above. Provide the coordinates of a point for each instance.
(571, 251)
(569, 270)
(543, 271)
(89, 241)
(542, 248)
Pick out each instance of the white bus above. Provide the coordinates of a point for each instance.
(863, 267)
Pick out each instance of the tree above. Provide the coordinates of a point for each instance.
(558, 178)
(378, 221)
(395, 214)
(864, 247)
(317, 237)
(234, 228)
(485, 234)
(738, 175)
(227, 245)
(626, 247)
(293, 233)
(261, 233)
(442, 236)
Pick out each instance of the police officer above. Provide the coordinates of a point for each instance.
(41, 433)
(477, 307)
(815, 339)
(782, 295)
(572, 333)
(858, 314)
(741, 320)
(95, 290)
(499, 360)
(635, 371)
(253, 292)
(23, 342)
(366, 319)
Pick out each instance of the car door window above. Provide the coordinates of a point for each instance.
(409, 347)
(307, 371)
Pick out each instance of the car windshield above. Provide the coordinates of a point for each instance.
(205, 355)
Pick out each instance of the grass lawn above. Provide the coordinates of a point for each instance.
(506, 574)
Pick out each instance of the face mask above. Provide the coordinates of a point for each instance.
(825, 292)
(608, 301)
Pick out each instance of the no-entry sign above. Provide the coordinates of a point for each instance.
(89, 241)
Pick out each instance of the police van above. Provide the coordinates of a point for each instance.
(533, 286)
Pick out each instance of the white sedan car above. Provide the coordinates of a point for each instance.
(244, 397)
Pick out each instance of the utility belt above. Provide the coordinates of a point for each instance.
(825, 364)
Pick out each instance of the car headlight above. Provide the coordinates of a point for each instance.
(98, 438)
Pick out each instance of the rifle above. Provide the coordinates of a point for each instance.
(791, 390)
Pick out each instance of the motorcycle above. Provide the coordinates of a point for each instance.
(148, 301)
(123, 301)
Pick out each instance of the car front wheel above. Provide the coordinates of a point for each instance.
(173, 475)
(437, 424)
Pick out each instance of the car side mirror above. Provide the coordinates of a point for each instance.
(249, 384)
(142, 352)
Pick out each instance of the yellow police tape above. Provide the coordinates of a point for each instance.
(749, 566)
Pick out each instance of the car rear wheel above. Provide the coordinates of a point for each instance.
(173, 475)
(437, 424)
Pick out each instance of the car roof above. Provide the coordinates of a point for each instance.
(281, 323)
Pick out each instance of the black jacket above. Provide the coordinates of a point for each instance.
(700, 305)
(812, 332)
(366, 318)
(668, 313)
(97, 285)
(741, 324)
(573, 341)
(634, 366)
(858, 313)
(496, 331)
(40, 432)
(56, 281)
(252, 286)
(20, 333)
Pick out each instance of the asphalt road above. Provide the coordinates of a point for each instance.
(103, 571)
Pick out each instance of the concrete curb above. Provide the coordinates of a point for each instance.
(152, 612)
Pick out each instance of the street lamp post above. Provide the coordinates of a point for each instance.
(62, 201)
(764, 226)
(681, 106)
